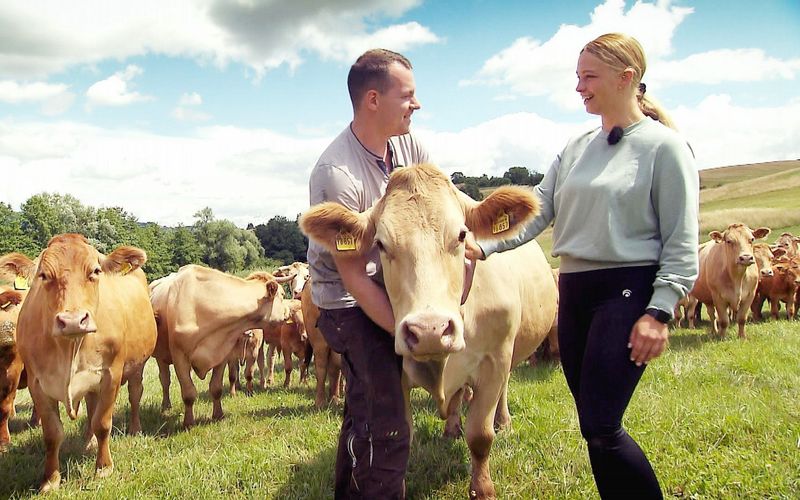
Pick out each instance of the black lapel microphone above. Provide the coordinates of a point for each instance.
(615, 135)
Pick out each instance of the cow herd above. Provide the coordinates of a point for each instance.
(76, 324)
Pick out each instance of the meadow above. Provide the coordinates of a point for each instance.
(719, 418)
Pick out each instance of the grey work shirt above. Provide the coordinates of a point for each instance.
(350, 174)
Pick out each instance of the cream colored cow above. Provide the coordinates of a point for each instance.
(420, 226)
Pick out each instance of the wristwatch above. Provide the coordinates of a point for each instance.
(658, 314)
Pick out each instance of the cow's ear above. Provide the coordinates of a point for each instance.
(716, 236)
(338, 229)
(272, 289)
(503, 213)
(778, 252)
(761, 232)
(15, 264)
(124, 260)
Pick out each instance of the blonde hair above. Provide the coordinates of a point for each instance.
(621, 51)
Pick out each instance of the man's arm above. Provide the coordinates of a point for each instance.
(371, 297)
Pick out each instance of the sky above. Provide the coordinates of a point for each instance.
(165, 108)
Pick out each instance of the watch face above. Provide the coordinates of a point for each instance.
(659, 315)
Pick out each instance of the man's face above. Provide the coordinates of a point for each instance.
(398, 102)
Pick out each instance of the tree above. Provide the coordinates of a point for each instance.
(457, 177)
(12, 236)
(282, 240)
(472, 190)
(185, 248)
(224, 246)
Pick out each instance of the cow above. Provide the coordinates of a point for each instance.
(300, 274)
(781, 286)
(85, 328)
(11, 366)
(247, 352)
(728, 277)
(790, 243)
(201, 313)
(419, 227)
(290, 337)
(327, 363)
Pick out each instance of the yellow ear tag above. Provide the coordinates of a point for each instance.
(345, 242)
(501, 223)
(126, 268)
(20, 283)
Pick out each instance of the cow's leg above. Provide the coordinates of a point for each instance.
(89, 439)
(452, 426)
(741, 315)
(102, 420)
(249, 369)
(691, 311)
(233, 375)
(260, 362)
(480, 425)
(774, 308)
(188, 390)
(287, 366)
(321, 370)
(135, 391)
(7, 397)
(502, 416)
(163, 376)
(756, 306)
(52, 433)
(722, 318)
(790, 306)
(335, 378)
(215, 389)
(271, 364)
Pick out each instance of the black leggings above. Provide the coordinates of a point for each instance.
(597, 310)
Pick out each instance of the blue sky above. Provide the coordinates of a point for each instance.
(164, 108)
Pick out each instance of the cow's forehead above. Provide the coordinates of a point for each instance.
(71, 255)
(739, 231)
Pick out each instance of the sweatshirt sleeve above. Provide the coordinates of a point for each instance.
(544, 191)
(675, 197)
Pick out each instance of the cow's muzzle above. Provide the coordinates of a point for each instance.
(431, 334)
(74, 324)
(746, 260)
(767, 272)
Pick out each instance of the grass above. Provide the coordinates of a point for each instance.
(718, 419)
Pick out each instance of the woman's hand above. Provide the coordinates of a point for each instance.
(648, 339)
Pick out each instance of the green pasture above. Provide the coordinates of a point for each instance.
(718, 419)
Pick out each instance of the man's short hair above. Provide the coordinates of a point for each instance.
(371, 71)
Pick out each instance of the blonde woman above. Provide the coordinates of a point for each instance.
(623, 199)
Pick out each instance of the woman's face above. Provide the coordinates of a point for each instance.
(598, 84)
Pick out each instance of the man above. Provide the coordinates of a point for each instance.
(356, 317)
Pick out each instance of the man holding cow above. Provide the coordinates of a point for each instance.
(355, 314)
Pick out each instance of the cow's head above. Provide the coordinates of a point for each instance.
(763, 256)
(738, 240)
(19, 270)
(271, 305)
(69, 277)
(300, 273)
(420, 226)
(789, 271)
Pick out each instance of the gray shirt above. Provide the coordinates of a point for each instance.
(350, 174)
(630, 204)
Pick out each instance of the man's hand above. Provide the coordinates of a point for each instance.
(472, 251)
(648, 339)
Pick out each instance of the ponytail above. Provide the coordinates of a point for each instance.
(650, 107)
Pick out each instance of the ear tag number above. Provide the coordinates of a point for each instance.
(126, 268)
(345, 242)
(501, 223)
(20, 283)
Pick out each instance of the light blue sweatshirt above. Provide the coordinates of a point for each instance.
(634, 203)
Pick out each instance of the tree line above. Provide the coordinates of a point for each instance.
(216, 243)
(212, 242)
(472, 186)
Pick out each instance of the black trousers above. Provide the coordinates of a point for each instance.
(597, 310)
(374, 441)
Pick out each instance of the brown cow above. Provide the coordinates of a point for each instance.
(10, 360)
(782, 286)
(247, 352)
(419, 226)
(728, 278)
(201, 313)
(327, 364)
(86, 327)
(291, 338)
(790, 243)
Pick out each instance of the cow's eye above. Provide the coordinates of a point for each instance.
(379, 244)
(42, 276)
(95, 273)
(462, 236)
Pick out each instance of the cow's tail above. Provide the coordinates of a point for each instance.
(309, 353)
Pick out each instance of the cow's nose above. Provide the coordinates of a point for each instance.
(746, 259)
(767, 272)
(429, 333)
(72, 323)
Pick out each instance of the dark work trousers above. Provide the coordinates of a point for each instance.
(597, 310)
(374, 441)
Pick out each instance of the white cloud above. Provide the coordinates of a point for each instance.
(190, 99)
(116, 90)
(262, 35)
(186, 109)
(726, 65)
(533, 68)
(54, 98)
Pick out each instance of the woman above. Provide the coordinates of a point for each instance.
(624, 202)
